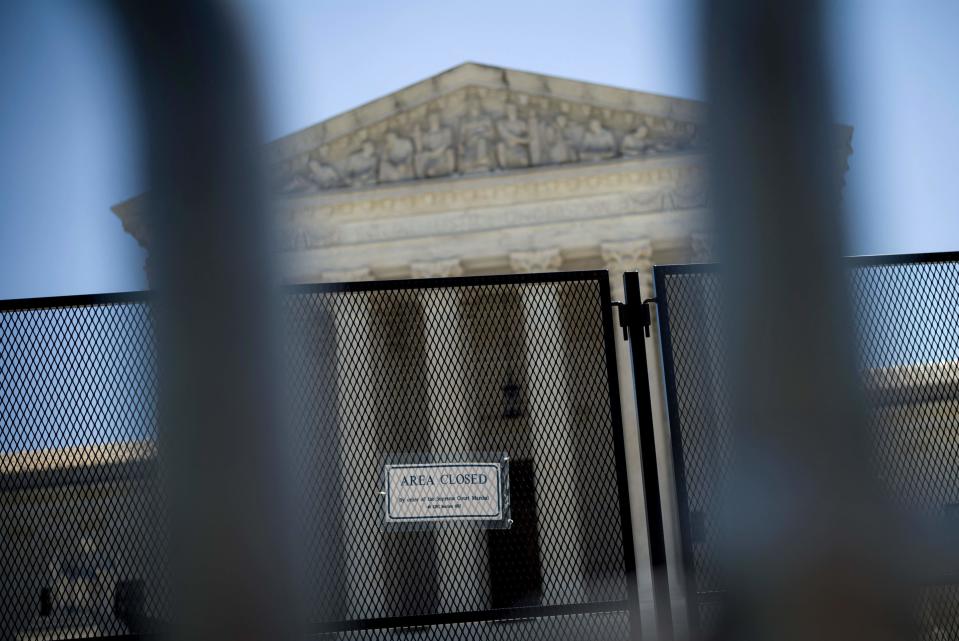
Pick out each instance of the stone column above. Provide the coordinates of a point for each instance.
(620, 257)
(359, 461)
(458, 549)
(551, 424)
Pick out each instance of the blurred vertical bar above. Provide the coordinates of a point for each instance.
(224, 450)
(808, 539)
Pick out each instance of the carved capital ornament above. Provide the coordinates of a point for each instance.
(447, 268)
(626, 256)
(543, 260)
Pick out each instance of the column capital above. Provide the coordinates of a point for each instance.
(625, 256)
(446, 268)
(540, 260)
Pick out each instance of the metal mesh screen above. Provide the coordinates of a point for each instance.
(444, 370)
(906, 310)
(77, 427)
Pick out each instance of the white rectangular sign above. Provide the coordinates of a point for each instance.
(424, 492)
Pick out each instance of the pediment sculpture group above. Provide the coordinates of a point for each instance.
(482, 144)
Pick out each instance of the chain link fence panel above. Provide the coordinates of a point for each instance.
(906, 309)
(440, 370)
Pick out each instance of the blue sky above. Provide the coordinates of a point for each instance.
(69, 150)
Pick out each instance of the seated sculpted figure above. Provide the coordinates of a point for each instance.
(598, 143)
(514, 147)
(317, 174)
(361, 165)
(286, 179)
(475, 133)
(434, 149)
(636, 143)
(573, 133)
(323, 174)
(561, 140)
(675, 136)
(397, 161)
(294, 183)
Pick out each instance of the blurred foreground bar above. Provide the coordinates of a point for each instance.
(223, 451)
(806, 534)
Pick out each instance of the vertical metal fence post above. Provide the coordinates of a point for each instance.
(647, 446)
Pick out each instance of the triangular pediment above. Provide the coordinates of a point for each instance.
(474, 120)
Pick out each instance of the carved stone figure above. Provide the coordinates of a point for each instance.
(598, 143)
(636, 143)
(476, 130)
(480, 142)
(284, 179)
(516, 140)
(573, 133)
(682, 135)
(560, 140)
(671, 136)
(361, 165)
(317, 174)
(397, 161)
(434, 149)
(294, 184)
(323, 174)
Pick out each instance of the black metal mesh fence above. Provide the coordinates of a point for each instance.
(519, 366)
(77, 433)
(594, 626)
(907, 312)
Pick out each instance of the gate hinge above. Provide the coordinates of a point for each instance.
(642, 316)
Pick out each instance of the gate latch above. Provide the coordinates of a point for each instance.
(641, 313)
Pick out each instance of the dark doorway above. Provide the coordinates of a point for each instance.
(516, 577)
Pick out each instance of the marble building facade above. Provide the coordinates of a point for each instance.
(477, 170)
(484, 170)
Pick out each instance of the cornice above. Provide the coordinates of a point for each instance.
(487, 251)
(457, 205)
(501, 189)
(314, 230)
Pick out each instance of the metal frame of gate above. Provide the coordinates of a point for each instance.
(694, 596)
(628, 604)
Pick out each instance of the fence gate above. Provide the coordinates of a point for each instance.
(906, 311)
(462, 462)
